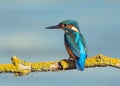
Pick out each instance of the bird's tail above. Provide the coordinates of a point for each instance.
(80, 63)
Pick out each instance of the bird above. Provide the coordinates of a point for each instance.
(74, 42)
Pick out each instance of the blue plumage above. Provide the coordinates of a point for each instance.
(74, 42)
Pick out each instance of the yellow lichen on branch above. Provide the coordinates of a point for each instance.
(20, 67)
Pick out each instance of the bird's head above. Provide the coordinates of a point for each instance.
(68, 26)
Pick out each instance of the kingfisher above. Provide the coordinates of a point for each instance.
(74, 41)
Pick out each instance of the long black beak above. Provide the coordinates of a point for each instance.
(53, 27)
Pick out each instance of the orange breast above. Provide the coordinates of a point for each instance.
(70, 53)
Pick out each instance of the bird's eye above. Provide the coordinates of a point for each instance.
(64, 25)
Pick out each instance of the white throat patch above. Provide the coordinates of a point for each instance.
(74, 29)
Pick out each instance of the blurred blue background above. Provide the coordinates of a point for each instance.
(22, 33)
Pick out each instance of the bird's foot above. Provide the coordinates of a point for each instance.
(69, 59)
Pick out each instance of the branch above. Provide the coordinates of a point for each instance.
(21, 68)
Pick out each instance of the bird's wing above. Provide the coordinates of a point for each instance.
(74, 43)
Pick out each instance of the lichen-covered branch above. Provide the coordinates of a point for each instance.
(20, 67)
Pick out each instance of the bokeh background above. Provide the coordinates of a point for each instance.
(22, 33)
